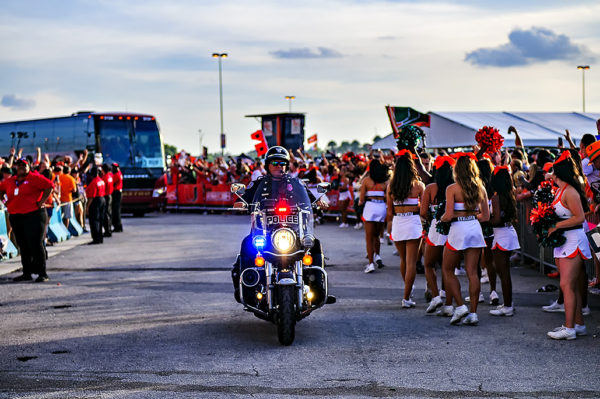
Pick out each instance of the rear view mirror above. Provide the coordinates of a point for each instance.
(238, 188)
(322, 188)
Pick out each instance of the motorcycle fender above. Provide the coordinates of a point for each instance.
(286, 281)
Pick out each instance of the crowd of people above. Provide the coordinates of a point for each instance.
(34, 188)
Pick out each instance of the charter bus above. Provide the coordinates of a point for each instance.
(129, 139)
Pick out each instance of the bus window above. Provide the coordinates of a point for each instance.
(148, 149)
(114, 141)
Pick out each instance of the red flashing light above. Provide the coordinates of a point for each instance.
(282, 209)
(89, 116)
(120, 118)
(129, 118)
(102, 117)
(152, 118)
(136, 118)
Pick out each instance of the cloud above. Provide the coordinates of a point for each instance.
(12, 101)
(528, 47)
(305, 52)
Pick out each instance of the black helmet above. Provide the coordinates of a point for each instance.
(277, 152)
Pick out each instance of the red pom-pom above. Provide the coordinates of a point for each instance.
(490, 138)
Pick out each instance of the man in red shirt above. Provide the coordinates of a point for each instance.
(107, 177)
(26, 194)
(95, 193)
(117, 196)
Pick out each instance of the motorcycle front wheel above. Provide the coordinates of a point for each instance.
(286, 323)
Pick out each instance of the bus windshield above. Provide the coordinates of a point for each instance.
(131, 143)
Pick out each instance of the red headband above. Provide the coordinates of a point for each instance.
(457, 155)
(499, 168)
(404, 152)
(565, 155)
(442, 159)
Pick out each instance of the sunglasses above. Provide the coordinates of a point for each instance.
(278, 163)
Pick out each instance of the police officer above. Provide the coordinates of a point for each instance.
(117, 196)
(95, 193)
(107, 178)
(277, 160)
(26, 193)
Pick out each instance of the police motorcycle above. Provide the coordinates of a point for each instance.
(281, 273)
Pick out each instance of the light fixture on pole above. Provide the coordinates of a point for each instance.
(583, 68)
(220, 56)
(290, 98)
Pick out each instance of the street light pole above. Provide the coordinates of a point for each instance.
(220, 56)
(583, 68)
(290, 98)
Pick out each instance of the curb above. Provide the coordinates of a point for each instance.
(12, 265)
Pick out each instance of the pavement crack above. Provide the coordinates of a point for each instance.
(256, 373)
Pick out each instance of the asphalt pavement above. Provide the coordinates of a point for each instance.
(151, 314)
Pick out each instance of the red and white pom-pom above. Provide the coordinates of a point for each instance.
(489, 137)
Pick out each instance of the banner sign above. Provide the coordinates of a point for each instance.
(296, 126)
(312, 139)
(400, 116)
(268, 128)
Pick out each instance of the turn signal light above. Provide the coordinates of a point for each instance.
(307, 260)
(259, 261)
(310, 295)
(259, 296)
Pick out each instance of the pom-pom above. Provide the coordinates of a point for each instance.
(409, 136)
(489, 137)
(542, 219)
(441, 227)
(544, 194)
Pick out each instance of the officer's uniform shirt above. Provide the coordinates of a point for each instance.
(108, 180)
(96, 188)
(118, 181)
(23, 196)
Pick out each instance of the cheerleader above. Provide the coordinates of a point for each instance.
(403, 198)
(485, 174)
(345, 196)
(466, 208)
(570, 205)
(372, 196)
(504, 215)
(434, 196)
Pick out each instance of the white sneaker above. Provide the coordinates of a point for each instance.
(554, 307)
(358, 226)
(580, 330)
(370, 268)
(471, 320)
(378, 261)
(484, 277)
(442, 294)
(445, 311)
(563, 333)
(585, 311)
(494, 299)
(343, 225)
(459, 313)
(381, 240)
(395, 252)
(459, 271)
(503, 311)
(434, 304)
(408, 303)
(481, 299)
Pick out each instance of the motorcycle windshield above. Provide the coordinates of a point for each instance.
(286, 203)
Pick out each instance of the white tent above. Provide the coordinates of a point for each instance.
(457, 129)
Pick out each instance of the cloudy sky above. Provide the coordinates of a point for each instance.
(343, 60)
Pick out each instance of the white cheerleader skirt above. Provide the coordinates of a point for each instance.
(465, 234)
(374, 211)
(434, 238)
(406, 227)
(505, 239)
(577, 243)
(345, 195)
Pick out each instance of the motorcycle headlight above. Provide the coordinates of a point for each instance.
(283, 240)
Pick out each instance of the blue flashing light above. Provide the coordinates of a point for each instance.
(259, 242)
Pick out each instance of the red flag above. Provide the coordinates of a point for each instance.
(261, 147)
(312, 139)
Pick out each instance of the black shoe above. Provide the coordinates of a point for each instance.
(380, 264)
(107, 235)
(94, 242)
(23, 277)
(42, 279)
(330, 300)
